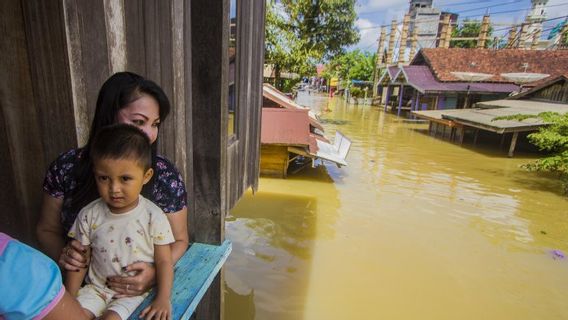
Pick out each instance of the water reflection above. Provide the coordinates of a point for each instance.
(414, 228)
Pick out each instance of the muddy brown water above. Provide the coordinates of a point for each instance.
(414, 228)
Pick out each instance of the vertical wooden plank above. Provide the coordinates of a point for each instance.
(256, 92)
(88, 58)
(135, 39)
(21, 151)
(49, 68)
(188, 119)
(209, 89)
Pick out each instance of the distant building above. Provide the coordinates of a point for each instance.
(426, 18)
(533, 25)
(427, 21)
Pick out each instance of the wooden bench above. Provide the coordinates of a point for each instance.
(194, 273)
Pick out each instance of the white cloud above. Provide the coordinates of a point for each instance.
(375, 5)
(368, 36)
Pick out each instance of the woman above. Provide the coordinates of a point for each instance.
(69, 183)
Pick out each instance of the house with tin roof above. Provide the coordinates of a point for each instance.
(549, 96)
(430, 82)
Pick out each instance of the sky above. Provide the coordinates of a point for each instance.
(374, 13)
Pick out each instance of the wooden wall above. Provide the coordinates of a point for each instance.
(57, 53)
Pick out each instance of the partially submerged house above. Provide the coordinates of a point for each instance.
(57, 54)
(290, 132)
(429, 82)
(549, 96)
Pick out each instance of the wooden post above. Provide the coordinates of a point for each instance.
(475, 134)
(417, 102)
(436, 101)
(400, 94)
(483, 32)
(448, 35)
(379, 63)
(523, 37)
(536, 39)
(392, 38)
(444, 31)
(403, 39)
(389, 92)
(209, 74)
(513, 144)
(413, 43)
(512, 37)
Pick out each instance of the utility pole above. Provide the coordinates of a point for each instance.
(483, 32)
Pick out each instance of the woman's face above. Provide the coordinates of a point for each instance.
(143, 113)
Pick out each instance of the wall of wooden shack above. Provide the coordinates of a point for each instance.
(57, 53)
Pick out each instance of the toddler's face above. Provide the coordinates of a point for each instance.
(119, 182)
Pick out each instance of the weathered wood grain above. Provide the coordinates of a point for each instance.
(194, 273)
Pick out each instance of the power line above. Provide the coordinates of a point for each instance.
(516, 10)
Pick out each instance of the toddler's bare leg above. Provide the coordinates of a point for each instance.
(68, 306)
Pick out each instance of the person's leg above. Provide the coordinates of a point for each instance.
(111, 315)
(66, 307)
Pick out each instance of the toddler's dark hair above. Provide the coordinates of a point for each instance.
(122, 141)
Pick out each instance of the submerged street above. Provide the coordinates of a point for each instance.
(414, 228)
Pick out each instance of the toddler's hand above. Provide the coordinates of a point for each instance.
(159, 309)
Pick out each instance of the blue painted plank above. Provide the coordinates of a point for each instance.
(194, 273)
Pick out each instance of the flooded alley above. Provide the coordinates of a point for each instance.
(414, 228)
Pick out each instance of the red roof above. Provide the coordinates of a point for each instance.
(443, 61)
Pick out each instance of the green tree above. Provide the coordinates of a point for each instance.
(354, 65)
(302, 33)
(469, 29)
(553, 139)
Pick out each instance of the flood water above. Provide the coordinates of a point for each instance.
(414, 228)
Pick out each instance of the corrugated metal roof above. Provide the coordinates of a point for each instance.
(483, 118)
(422, 79)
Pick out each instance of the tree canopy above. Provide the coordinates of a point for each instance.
(469, 29)
(302, 33)
(354, 65)
(553, 139)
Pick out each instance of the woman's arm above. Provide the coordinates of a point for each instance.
(52, 240)
(49, 229)
(145, 273)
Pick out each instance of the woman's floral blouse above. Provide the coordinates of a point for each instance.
(168, 192)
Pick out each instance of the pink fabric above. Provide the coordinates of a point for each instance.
(4, 239)
(51, 305)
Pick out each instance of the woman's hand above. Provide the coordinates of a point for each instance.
(143, 279)
(72, 257)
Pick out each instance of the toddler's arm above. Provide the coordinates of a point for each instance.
(161, 307)
(74, 278)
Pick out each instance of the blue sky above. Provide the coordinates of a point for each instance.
(373, 13)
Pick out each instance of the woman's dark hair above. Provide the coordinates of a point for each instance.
(122, 141)
(117, 92)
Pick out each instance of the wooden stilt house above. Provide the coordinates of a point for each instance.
(57, 53)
